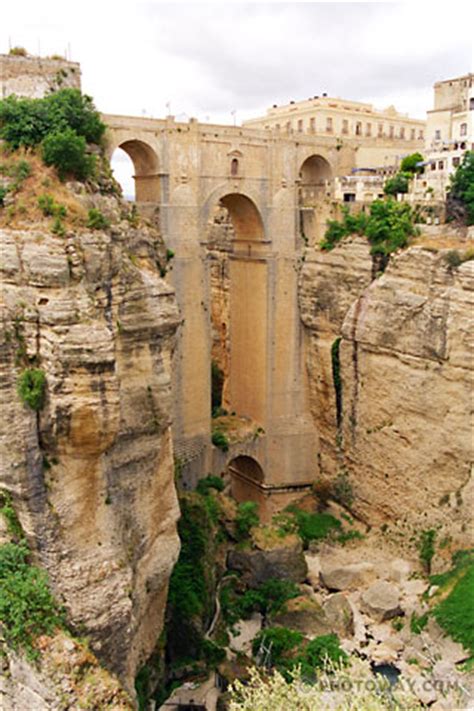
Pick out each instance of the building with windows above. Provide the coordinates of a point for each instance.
(383, 137)
(449, 130)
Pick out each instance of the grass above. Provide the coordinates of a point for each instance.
(454, 613)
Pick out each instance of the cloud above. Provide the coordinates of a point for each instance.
(206, 60)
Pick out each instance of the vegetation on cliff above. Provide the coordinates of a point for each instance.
(388, 226)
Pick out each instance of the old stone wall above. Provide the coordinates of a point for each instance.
(36, 76)
(91, 474)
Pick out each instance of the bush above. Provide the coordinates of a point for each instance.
(398, 184)
(389, 226)
(454, 613)
(50, 208)
(96, 220)
(210, 482)
(18, 52)
(349, 225)
(314, 526)
(3, 194)
(217, 383)
(342, 490)
(27, 122)
(410, 164)
(31, 387)
(66, 151)
(246, 518)
(461, 190)
(27, 608)
(426, 547)
(220, 440)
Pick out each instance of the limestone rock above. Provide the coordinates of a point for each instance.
(283, 561)
(92, 476)
(347, 577)
(339, 614)
(314, 569)
(381, 601)
(305, 615)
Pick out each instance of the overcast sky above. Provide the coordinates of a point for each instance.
(209, 60)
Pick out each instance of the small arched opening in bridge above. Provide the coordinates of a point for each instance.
(238, 314)
(135, 166)
(246, 476)
(315, 174)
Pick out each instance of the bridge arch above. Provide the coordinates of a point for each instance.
(246, 476)
(146, 166)
(314, 171)
(244, 210)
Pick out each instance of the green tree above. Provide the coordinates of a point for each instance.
(461, 190)
(66, 151)
(410, 164)
(398, 184)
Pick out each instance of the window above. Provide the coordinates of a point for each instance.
(456, 162)
(441, 165)
(391, 131)
(464, 129)
(329, 125)
(312, 124)
(349, 197)
(300, 125)
(288, 126)
(437, 135)
(471, 103)
(368, 129)
(402, 132)
(234, 166)
(345, 126)
(433, 166)
(358, 128)
(380, 129)
(420, 134)
(412, 134)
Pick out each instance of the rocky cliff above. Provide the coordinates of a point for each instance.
(91, 473)
(406, 364)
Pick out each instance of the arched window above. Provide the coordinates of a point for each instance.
(234, 166)
(464, 129)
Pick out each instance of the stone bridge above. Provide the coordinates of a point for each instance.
(264, 179)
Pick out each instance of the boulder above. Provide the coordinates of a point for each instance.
(339, 614)
(347, 577)
(399, 570)
(381, 601)
(286, 562)
(314, 570)
(304, 615)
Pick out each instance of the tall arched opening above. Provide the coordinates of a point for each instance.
(238, 288)
(145, 176)
(315, 176)
(246, 475)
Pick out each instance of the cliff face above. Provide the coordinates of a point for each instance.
(406, 370)
(329, 283)
(92, 474)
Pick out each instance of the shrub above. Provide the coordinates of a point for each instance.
(426, 547)
(246, 518)
(3, 194)
(314, 526)
(349, 225)
(66, 151)
(220, 440)
(18, 52)
(96, 220)
(27, 608)
(279, 640)
(269, 598)
(453, 258)
(461, 190)
(410, 164)
(27, 122)
(342, 490)
(210, 482)
(454, 613)
(31, 387)
(217, 383)
(389, 226)
(58, 227)
(398, 184)
(418, 622)
(8, 512)
(49, 207)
